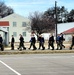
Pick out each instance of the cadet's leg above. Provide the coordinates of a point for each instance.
(48, 45)
(60, 45)
(23, 46)
(52, 45)
(12, 46)
(39, 45)
(34, 47)
(30, 45)
(42, 45)
(71, 46)
(2, 47)
(57, 45)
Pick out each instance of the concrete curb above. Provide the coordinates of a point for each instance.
(9, 52)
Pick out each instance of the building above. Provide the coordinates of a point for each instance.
(17, 24)
(67, 29)
(64, 26)
(4, 30)
(68, 34)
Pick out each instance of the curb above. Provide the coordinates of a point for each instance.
(9, 52)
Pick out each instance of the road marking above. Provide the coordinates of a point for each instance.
(10, 68)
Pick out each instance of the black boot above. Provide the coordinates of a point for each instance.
(70, 48)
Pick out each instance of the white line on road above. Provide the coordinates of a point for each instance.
(10, 68)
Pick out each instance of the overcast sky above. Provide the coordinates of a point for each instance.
(25, 7)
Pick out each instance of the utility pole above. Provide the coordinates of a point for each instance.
(56, 19)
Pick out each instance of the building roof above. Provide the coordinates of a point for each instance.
(4, 23)
(14, 17)
(69, 31)
(64, 26)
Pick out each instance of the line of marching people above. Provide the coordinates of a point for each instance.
(59, 41)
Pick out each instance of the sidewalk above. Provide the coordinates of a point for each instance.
(7, 50)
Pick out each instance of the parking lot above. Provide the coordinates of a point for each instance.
(37, 64)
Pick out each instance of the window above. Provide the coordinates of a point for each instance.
(15, 34)
(24, 33)
(23, 24)
(14, 24)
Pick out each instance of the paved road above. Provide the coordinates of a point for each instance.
(37, 64)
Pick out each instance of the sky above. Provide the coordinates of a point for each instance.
(27, 7)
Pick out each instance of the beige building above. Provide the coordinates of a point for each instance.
(17, 25)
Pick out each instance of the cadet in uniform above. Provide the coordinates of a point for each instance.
(62, 40)
(33, 41)
(51, 42)
(1, 43)
(72, 42)
(21, 43)
(41, 42)
(59, 42)
(12, 42)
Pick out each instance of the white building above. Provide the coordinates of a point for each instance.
(68, 34)
(60, 29)
(64, 28)
(17, 25)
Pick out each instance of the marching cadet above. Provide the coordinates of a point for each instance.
(72, 42)
(51, 41)
(12, 42)
(33, 41)
(41, 42)
(62, 39)
(59, 43)
(21, 45)
(1, 43)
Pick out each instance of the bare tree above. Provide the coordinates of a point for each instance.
(41, 23)
(5, 10)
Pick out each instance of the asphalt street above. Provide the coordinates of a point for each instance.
(37, 64)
